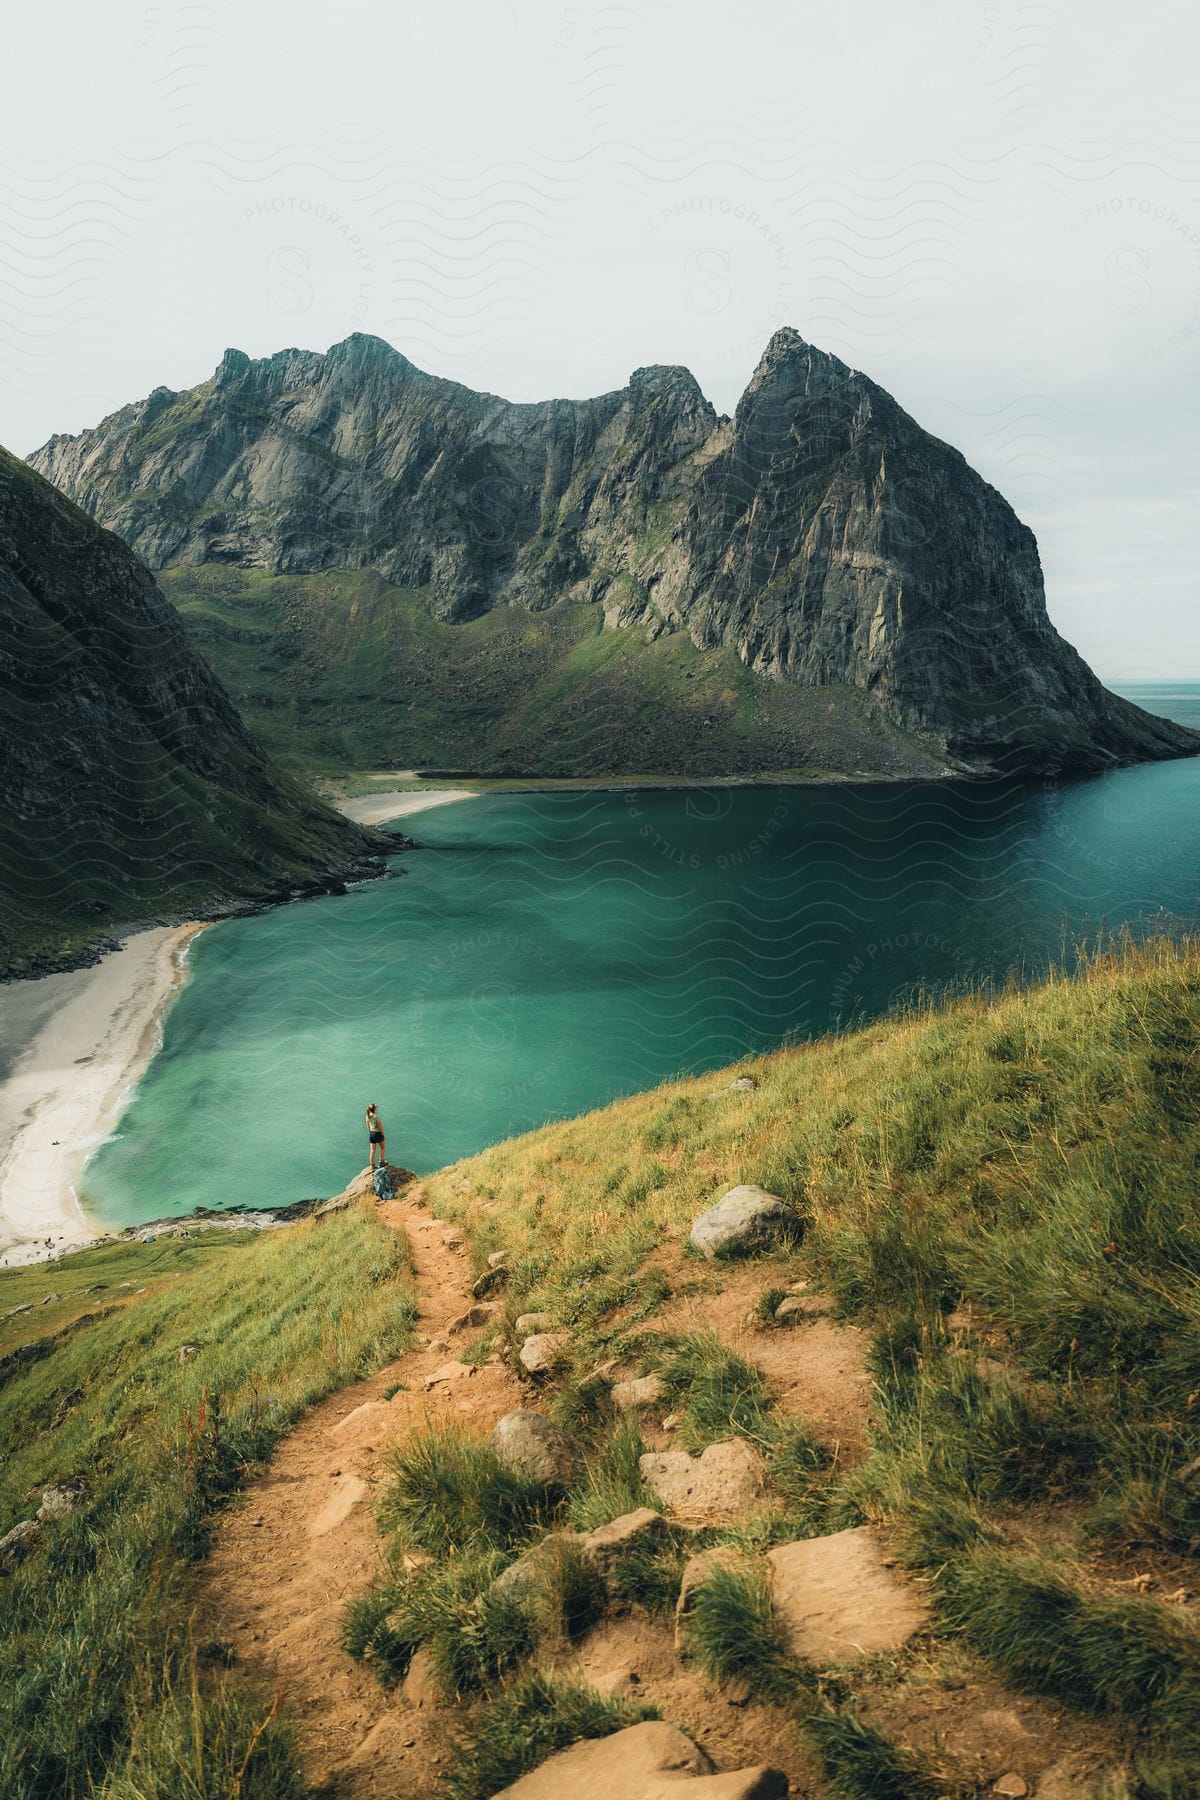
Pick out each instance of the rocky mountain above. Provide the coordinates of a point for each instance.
(132, 786)
(821, 538)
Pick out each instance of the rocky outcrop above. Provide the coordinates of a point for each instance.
(132, 787)
(820, 534)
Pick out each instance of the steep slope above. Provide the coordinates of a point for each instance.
(132, 787)
(820, 537)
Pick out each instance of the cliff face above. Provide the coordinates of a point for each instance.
(131, 784)
(821, 534)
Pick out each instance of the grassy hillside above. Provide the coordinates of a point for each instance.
(342, 671)
(1004, 1192)
(1000, 1207)
(154, 1381)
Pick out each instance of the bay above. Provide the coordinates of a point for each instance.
(544, 953)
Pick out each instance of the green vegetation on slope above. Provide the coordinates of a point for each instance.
(342, 671)
(1005, 1191)
(104, 1690)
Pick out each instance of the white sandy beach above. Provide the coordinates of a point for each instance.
(74, 1045)
(399, 803)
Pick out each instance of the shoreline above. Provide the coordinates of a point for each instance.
(76, 1052)
(398, 803)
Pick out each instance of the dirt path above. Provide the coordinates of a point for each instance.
(305, 1543)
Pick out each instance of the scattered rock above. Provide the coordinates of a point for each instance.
(495, 1258)
(536, 1446)
(696, 1572)
(745, 1219)
(647, 1390)
(439, 1345)
(188, 1350)
(16, 1544)
(491, 1279)
(528, 1323)
(14, 1312)
(798, 1307)
(419, 1687)
(604, 1371)
(451, 1371)
(376, 1409)
(49, 1299)
(742, 1085)
(57, 1502)
(454, 1240)
(651, 1761)
(533, 1569)
(347, 1494)
(606, 1545)
(837, 1597)
(671, 1422)
(544, 1351)
(479, 1314)
(1011, 1785)
(717, 1485)
(621, 1764)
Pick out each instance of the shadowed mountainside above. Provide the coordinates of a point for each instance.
(132, 786)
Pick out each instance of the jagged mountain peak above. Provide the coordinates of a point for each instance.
(821, 534)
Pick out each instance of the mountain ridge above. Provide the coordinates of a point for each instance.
(820, 535)
(134, 790)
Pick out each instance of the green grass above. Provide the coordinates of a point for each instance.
(449, 1492)
(342, 672)
(732, 1632)
(101, 1687)
(1031, 1154)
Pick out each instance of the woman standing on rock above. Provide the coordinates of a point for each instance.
(375, 1136)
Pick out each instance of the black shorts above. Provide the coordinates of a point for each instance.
(376, 1137)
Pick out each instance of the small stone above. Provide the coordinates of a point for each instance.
(451, 1371)
(495, 1258)
(479, 1314)
(608, 1543)
(647, 1390)
(536, 1446)
(187, 1351)
(489, 1281)
(57, 1502)
(528, 1323)
(604, 1371)
(671, 1422)
(800, 1306)
(49, 1299)
(419, 1688)
(545, 1351)
(439, 1345)
(745, 1219)
(742, 1085)
(16, 1544)
(1013, 1787)
(835, 1597)
(14, 1312)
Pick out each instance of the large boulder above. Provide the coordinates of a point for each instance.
(838, 1597)
(536, 1446)
(716, 1486)
(651, 1761)
(744, 1220)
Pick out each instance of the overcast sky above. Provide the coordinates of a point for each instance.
(993, 209)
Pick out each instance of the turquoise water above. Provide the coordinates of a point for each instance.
(544, 953)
